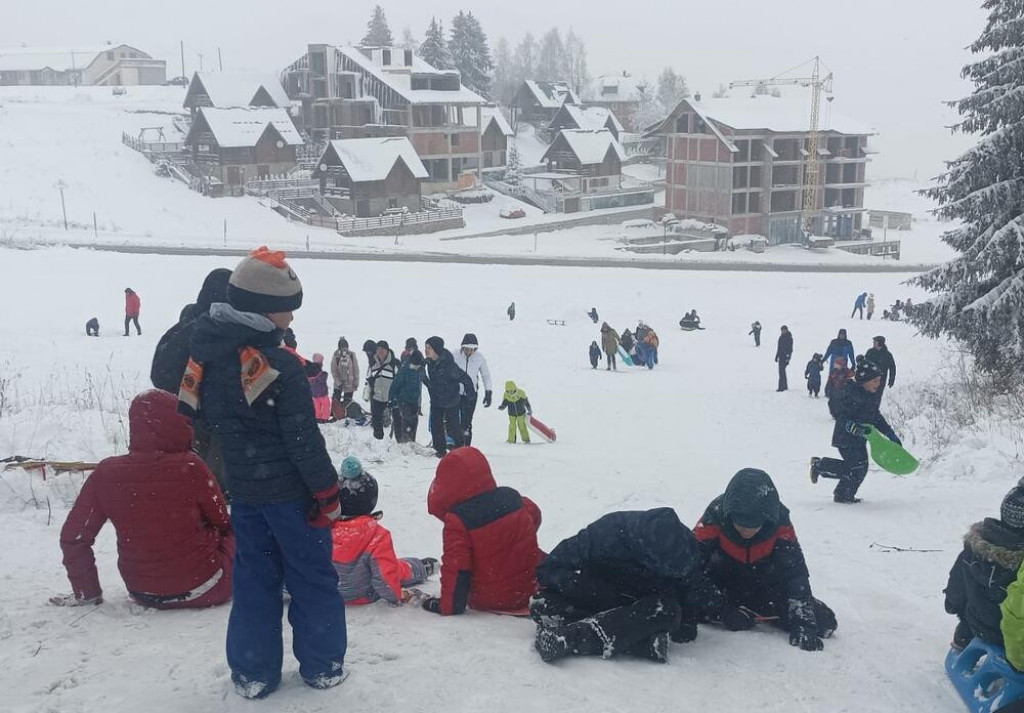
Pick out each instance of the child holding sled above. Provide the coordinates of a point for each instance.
(519, 408)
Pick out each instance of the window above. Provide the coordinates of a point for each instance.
(755, 176)
(754, 203)
(386, 57)
(392, 203)
(455, 140)
(683, 124)
(419, 83)
(408, 58)
(739, 203)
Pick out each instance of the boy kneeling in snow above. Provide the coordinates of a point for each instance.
(364, 555)
(490, 538)
(622, 585)
(174, 540)
(750, 552)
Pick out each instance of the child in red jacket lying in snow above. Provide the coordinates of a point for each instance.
(490, 539)
(363, 553)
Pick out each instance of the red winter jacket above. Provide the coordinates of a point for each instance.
(132, 304)
(368, 568)
(490, 537)
(167, 509)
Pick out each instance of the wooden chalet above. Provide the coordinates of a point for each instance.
(369, 177)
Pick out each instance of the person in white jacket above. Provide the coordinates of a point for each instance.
(471, 361)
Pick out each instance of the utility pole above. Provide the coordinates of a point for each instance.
(200, 61)
(220, 60)
(182, 47)
(60, 187)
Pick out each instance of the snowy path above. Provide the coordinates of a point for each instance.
(633, 439)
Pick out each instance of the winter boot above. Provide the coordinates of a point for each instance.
(846, 499)
(653, 649)
(581, 638)
(429, 566)
(814, 469)
(327, 680)
(252, 690)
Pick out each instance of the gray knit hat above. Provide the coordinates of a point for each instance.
(264, 283)
(1012, 510)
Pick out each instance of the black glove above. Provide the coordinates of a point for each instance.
(738, 619)
(487, 399)
(433, 604)
(806, 640)
(686, 633)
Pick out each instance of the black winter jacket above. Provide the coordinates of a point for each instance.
(977, 585)
(851, 402)
(273, 450)
(784, 352)
(443, 378)
(883, 359)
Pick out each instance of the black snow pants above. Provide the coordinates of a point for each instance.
(128, 320)
(467, 407)
(850, 471)
(377, 409)
(444, 421)
(783, 381)
(610, 360)
(407, 420)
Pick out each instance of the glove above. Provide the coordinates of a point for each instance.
(855, 429)
(326, 507)
(806, 640)
(686, 633)
(433, 604)
(738, 619)
(70, 600)
(487, 399)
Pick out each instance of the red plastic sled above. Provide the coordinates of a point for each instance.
(538, 427)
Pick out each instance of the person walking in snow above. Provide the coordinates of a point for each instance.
(879, 353)
(593, 315)
(749, 551)
(132, 308)
(406, 398)
(854, 407)
(755, 329)
(284, 488)
(385, 366)
(445, 384)
(472, 361)
(610, 344)
(318, 387)
(870, 304)
(650, 347)
(519, 409)
(839, 347)
(858, 305)
(595, 355)
(511, 312)
(783, 353)
(345, 371)
(813, 375)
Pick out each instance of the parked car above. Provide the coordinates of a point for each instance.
(512, 213)
(176, 82)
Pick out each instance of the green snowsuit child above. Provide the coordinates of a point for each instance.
(518, 409)
(1012, 623)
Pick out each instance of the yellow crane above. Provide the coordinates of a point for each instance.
(820, 83)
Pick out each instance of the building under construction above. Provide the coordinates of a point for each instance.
(742, 163)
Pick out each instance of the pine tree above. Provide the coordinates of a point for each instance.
(434, 50)
(513, 166)
(378, 34)
(482, 62)
(979, 295)
(470, 54)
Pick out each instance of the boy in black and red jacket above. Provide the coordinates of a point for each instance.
(750, 552)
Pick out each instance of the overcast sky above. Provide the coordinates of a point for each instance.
(895, 61)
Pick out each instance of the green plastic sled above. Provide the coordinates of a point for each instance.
(888, 455)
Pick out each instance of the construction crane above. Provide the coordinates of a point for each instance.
(820, 83)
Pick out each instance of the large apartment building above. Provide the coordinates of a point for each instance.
(739, 162)
(369, 92)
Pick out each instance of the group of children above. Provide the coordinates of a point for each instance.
(641, 346)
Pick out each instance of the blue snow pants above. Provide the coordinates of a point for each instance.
(276, 546)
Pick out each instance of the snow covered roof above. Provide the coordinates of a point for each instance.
(237, 89)
(487, 115)
(399, 77)
(242, 127)
(790, 113)
(615, 87)
(592, 117)
(373, 159)
(589, 145)
(60, 59)
(552, 95)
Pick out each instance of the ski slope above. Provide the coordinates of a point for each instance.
(626, 440)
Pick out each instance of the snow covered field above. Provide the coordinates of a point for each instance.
(627, 440)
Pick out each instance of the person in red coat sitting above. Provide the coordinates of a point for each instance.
(174, 540)
(132, 309)
(490, 538)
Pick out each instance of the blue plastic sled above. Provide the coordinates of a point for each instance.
(986, 682)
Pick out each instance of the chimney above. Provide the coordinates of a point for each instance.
(696, 97)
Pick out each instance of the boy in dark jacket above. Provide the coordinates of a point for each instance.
(750, 552)
(854, 405)
(519, 408)
(406, 396)
(490, 538)
(813, 375)
(880, 354)
(992, 555)
(443, 379)
(92, 328)
(622, 585)
(254, 394)
(595, 355)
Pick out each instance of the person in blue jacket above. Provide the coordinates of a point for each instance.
(406, 398)
(624, 584)
(858, 306)
(255, 397)
(840, 346)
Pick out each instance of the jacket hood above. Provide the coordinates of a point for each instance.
(213, 339)
(155, 425)
(214, 289)
(667, 546)
(995, 542)
(462, 474)
(510, 387)
(751, 499)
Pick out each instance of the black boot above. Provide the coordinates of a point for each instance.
(653, 649)
(581, 638)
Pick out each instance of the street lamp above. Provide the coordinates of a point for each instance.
(60, 186)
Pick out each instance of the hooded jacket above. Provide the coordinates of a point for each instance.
(132, 304)
(490, 537)
(609, 339)
(345, 370)
(988, 564)
(273, 450)
(168, 511)
(850, 402)
(364, 556)
(476, 369)
(407, 387)
(445, 381)
(813, 373)
(515, 401)
(883, 359)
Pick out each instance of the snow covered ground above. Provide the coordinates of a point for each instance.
(627, 440)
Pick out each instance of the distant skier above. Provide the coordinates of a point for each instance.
(92, 328)
(132, 308)
(595, 354)
(840, 346)
(880, 354)
(519, 408)
(854, 407)
(755, 329)
(610, 345)
(512, 312)
(813, 375)
(870, 305)
(858, 306)
(593, 314)
(783, 353)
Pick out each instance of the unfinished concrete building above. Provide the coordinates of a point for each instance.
(739, 163)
